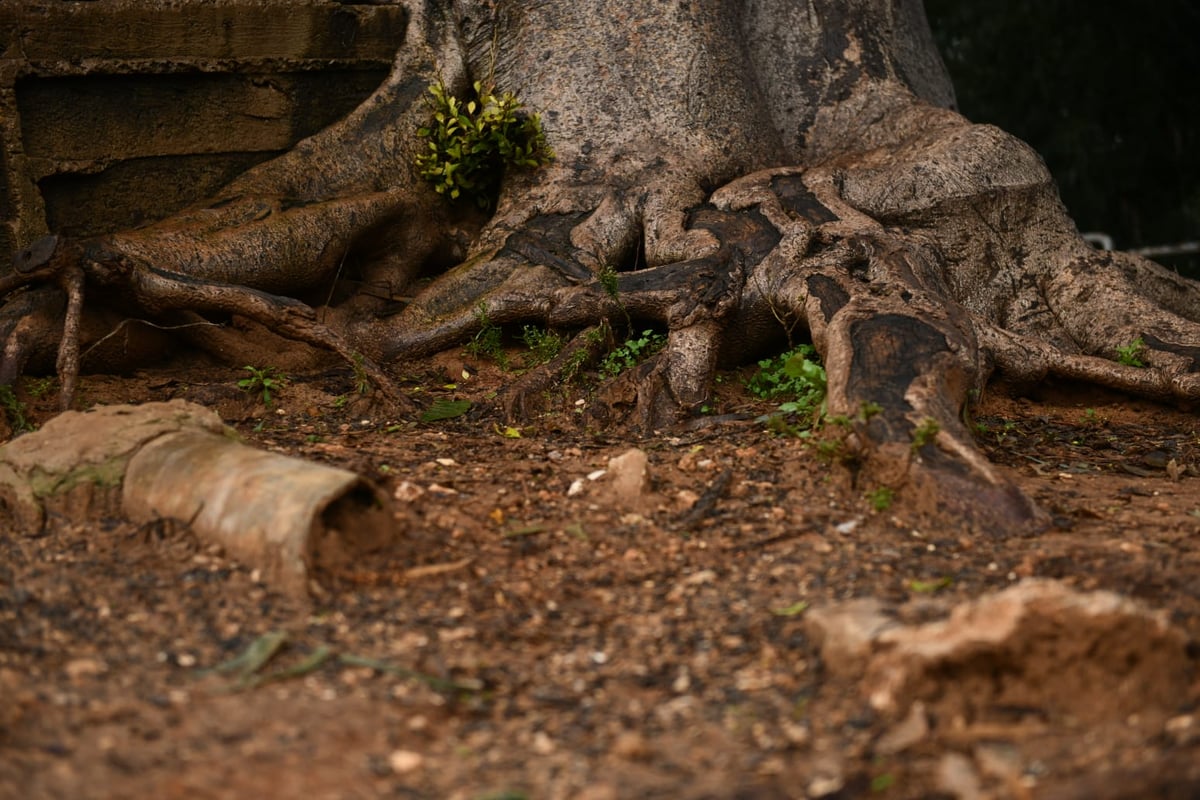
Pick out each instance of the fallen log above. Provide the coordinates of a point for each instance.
(178, 461)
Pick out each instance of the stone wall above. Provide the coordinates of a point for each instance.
(117, 112)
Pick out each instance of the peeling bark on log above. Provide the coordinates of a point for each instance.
(177, 461)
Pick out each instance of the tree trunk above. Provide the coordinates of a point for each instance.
(744, 167)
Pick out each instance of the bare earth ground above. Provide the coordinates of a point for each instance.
(528, 641)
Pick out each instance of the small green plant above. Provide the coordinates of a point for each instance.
(881, 498)
(1131, 354)
(832, 449)
(610, 280)
(14, 410)
(489, 341)
(40, 387)
(930, 586)
(362, 383)
(632, 352)
(471, 142)
(793, 610)
(883, 782)
(924, 433)
(263, 382)
(796, 374)
(543, 345)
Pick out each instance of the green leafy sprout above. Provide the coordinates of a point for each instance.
(14, 410)
(1131, 354)
(262, 381)
(40, 387)
(580, 356)
(795, 374)
(924, 433)
(632, 352)
(881, 498)
(362, 383)
(543, 345)
(470, 143)
(488, 342)
(930, 586)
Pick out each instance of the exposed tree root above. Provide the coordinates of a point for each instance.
(156, 291)
(919, 252)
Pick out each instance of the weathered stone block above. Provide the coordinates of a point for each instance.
(117, 112)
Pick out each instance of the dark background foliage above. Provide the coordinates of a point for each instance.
(1107, 92)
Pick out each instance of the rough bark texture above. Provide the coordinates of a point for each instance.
(745, 165)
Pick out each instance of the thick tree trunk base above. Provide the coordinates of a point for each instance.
(921, 254)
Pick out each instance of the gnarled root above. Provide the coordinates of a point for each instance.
(33, 320)
(909, 320)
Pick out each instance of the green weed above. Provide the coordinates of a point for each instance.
(793, 610)
(470, 143)
(362, 383)
(543, 345)
(488, 342)
(1131, 354)
(632, 352)
(40, 387)
(796, 374)
(881, 783)
(931, 586)
(263, 382)
(881, 498)
(445, 409)
(14, 410)
(610, 281)
(924, 433)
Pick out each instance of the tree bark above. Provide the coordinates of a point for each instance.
(744, 167)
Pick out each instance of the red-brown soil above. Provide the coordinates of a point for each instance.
(549, 643)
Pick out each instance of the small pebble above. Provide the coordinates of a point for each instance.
(405, 761)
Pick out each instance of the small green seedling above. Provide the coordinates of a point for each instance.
(929, 587)
(362, 383)
(488, 342)
(881, 498)
(794, 610)
(40, 387)
(632, 352)
(470, 143)
(14, 410)
(610, 281)
(1131, 354)
(543, 345)
(883, 782)
(796, 374)
(263, 382)
(924, 433)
